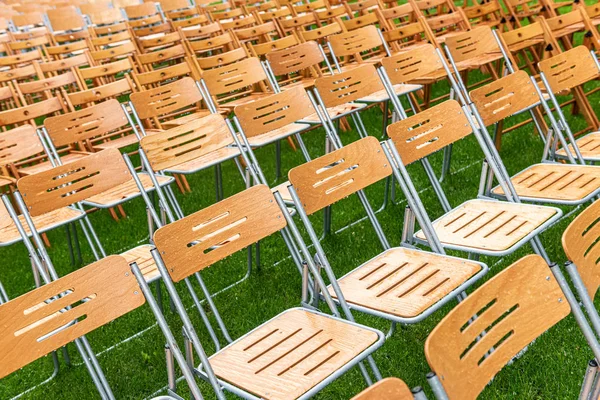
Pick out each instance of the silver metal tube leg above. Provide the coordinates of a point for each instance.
(584, 296)
(203, 315)
(91, 370)
(212, 306)
(588, 380)
(436, 386)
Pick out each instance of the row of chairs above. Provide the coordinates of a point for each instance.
(300, 351)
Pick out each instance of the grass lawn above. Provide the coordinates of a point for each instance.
(553, 366)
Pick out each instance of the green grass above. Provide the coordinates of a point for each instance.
(552, 367)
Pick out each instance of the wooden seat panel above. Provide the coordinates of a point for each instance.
(283, 190)
(405, 282)
(142, 256)
(43, 223)
(552, 182)
(276, 134)
(589, 146)
(45, 166)
(381, 95)
(199, 163)
(336, 112)
(386, 389)
(489, 225)
(288, 355)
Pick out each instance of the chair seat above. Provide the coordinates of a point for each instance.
(589, 146)
(207, 160)
(479, 61)
(335, 112)
(558, 183)
(290, 354)
(386, 389)
(488, 225)
(172, 123)
(43, 223)
(306, 83)
(46, 165)
(405, 282)
(142, 256)
(117, 143)
(381, 95)
(277, 134)
(284, 191)
(125, 191)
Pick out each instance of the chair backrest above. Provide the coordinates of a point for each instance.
(412, 64)
(55, 314)
(31, 112)
(224, 42)
(166, 74)
(284, 43)
(20, 59)
(67, 184)
(107, 69)
(85, 124)
(200, 32)
(493, 324)
(407, 35)
(223, 59)
(504, 97)
(186, 142)
(336, 175)
(558, 25)
(161, 56)
(322, 32)
(471, 44)
(213, 233)
(349, 85)
(582, 246)
(234, 77)
(296, 58)
(64, 64)
(274, 112)
(429, 131)
(19, 144)
(519, 37)
(166, 99)
(386, 389)
(361, 21)
(52, 83)
(114, 52)
(359, 43)
(111, 90)
(569, 69)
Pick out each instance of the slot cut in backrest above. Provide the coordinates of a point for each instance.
(187, 142)
(581, 242)
(429, 131)
(412, 64)
(39, 322)
(336, 175)
(85, 124)
(67, 184)
(274, 112)
(569, 69)
(349, 85)
(510, 310)
(504, 97)
(166, 98)
(209, 235)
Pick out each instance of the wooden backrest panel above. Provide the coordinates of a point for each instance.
(234, 77)
(109, 39)
(523, 34)
(67, 48)
(39, 322)
(412, 64)
(30, 112)
(90, 122)
(202, 31)
(51, 83)
(511, 310)
(564, 20)
(64, 63)
(166, 99)
(29, 43)
(349, 85)
(211, 42)
(167, 73)
(322, 31)
(18, 144)
(273, 112)
(254, 32)
(187, 142)
(295, 58)
(408, 31)
(361, 21)
(355, 41)
(107, 69)
(162, 55)
(504, 97)
(471, 44)
(285, 42)
(67, 184)
(386, 389)
(109, 91)
(21, 58)
(582, 246)
(222, 59)
(569, 69)
(164, 40)
(113, 52)
(209, 235)
(336, 175)
(18, 73)
(429, 131)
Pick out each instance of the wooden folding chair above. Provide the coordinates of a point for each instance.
(64, 311)
(236, 84)
(298, 65)
(492, 325)
(443, 18)
(225, 228)
(545, 182)
(408, 36)
(401, 284)
(569, 72)
(479, 226)
(362, 45)
(161, 58)
(99, 75)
